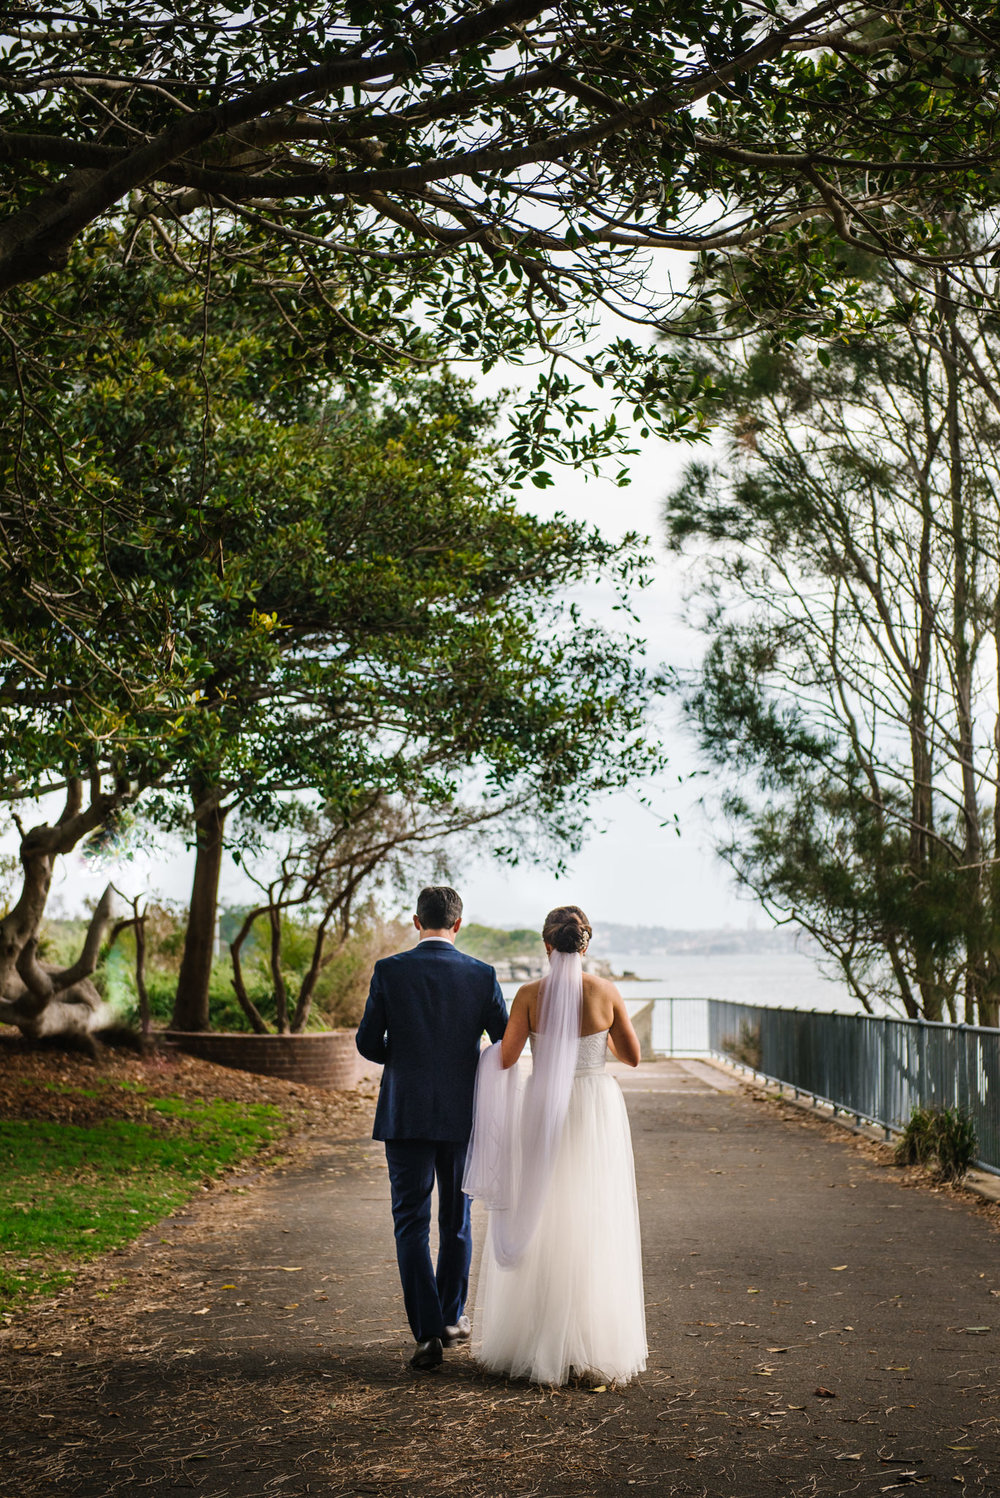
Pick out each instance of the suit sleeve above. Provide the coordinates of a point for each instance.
(371, 1037)
(496, 1013)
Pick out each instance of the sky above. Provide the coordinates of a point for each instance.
(633, 869)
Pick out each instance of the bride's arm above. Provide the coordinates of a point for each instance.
(516, 1034)
(622, 1037)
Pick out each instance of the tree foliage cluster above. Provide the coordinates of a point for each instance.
(266, 586)
(495, 944)
(338, 994)
(507, 170)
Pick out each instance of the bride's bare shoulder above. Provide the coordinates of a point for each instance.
(594, 984)
(526, 996)
(599, 996)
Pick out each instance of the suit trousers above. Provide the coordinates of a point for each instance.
(433, 1298)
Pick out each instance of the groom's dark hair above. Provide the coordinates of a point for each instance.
(438, 907)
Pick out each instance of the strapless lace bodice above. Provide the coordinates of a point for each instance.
(592, 1052)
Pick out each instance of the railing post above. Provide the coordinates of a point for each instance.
(922, 1096)
(886, 1109)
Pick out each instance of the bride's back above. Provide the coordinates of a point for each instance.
(597, 1009)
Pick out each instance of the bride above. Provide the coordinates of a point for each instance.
(560, 1286)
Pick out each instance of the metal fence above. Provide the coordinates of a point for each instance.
(877, 1069)
(671, 1026)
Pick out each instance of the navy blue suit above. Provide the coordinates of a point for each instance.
(426, 1013)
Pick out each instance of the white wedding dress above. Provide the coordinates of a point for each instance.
(573, 1304)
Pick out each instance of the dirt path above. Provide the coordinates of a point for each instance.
(257, 1346)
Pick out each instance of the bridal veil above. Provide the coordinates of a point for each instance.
(515, 1137)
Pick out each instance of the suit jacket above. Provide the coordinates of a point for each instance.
(426, 1013)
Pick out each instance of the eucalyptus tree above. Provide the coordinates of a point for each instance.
(849, 587)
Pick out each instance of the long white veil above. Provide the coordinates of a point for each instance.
(515, 1136)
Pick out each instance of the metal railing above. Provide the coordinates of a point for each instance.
(671, 1026)
(877, 1069)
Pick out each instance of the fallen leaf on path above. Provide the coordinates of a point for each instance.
(822, 1393)
(848, 1456)
(837, 1267)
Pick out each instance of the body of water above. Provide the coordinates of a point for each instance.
(791, 980)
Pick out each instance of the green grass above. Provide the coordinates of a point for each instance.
(69, 1192)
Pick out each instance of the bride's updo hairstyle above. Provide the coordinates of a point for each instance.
(567, 929)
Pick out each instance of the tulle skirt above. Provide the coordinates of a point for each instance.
(574, 1304)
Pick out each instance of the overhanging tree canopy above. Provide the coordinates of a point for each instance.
(512, 165)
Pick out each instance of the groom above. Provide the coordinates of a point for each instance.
(426, 1012)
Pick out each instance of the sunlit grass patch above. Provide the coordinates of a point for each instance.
(71, 1191)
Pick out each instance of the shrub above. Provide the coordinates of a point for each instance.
(746, 1049)
(341, 988)
(940, 1139)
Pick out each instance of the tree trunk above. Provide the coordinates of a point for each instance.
(277, 977)
(39, 998)
(963, 664)
(191, 1002)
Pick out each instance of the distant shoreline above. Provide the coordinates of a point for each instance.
(516, 952)
(529, 968)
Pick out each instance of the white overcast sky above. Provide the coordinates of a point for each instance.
(632, 870)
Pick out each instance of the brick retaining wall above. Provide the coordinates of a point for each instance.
(327, 1059)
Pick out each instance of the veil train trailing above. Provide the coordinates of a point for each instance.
(516, 1130)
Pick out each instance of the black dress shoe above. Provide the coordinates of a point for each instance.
(429, 1354)
(460, 1332)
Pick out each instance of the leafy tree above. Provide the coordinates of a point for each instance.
(493, 944)
(509, 169)
(850, 591)
(278, 588)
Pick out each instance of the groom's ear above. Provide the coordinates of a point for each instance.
(457, 924)
(416, 922)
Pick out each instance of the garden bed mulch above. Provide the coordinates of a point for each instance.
(68, 1087)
